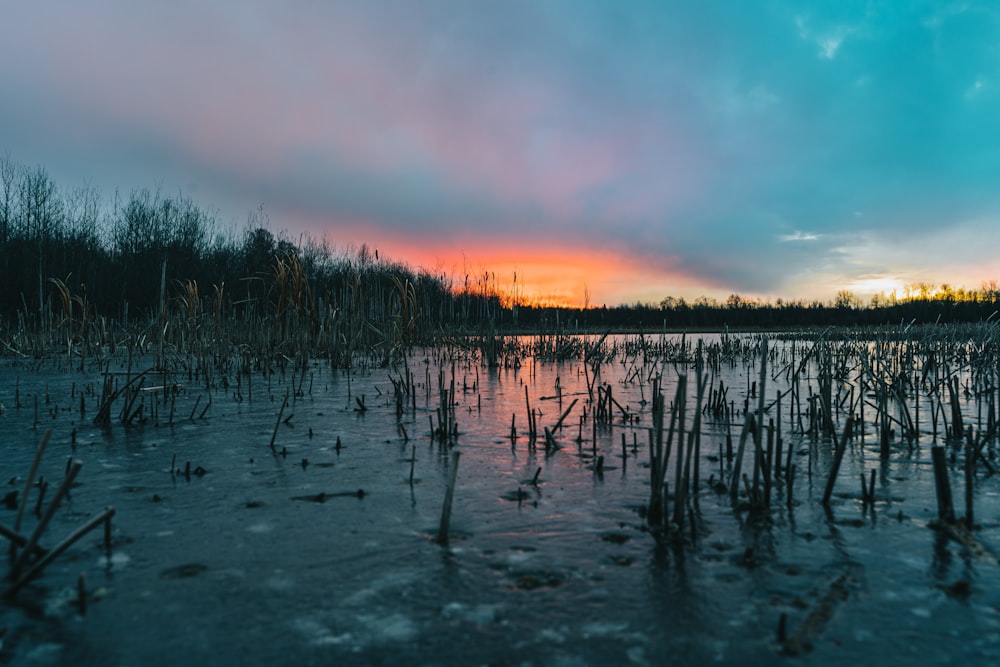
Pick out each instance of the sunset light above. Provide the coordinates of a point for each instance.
(868, 287)
(500, 332)
(603, 153)
(567, 277)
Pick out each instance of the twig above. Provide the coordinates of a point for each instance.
(47, 517)
(274, 434)
(442, 536)
(42, 563)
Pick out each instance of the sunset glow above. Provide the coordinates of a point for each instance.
(868, 287)
(534, 274)
(603, 153)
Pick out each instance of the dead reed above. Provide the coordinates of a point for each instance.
(28, 557)
(449, 496)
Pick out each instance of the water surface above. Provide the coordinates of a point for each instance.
(244, 563)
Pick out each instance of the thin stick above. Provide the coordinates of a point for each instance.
(47, 517)
(442, 537)
(946, 510)
(31, 478)
(838, 456)
(748, 427)
(19, 539)
(564, 415)
(73, 537)
(197, 402)
(790, 479)
(274, 434)
(970, 471)
(413, 460)
(759, 432)
(679, 480)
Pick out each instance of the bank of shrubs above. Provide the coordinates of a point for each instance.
(129, 256)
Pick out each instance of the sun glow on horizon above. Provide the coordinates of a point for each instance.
(529, 277)
(537, 273)
(877, 285)
(552, 273)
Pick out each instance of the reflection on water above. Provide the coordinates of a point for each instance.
(550, 560)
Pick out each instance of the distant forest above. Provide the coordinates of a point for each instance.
(126, 257)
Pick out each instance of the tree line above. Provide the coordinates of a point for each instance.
(126, 257)
(745, 313)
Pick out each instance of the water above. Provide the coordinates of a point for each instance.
(241, 564)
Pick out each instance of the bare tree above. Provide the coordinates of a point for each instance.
(846, 299)
(8, 189)
(41, 217)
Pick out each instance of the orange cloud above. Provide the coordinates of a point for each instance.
(541, 273)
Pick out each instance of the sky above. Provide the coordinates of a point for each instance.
(583, 152)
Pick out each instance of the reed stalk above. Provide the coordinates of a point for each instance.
(768, 466)
(565, 414)
(942, 485)
(838, 457)
(43, 522)
(413, 462)
(758, 434)
(532, 433)
(970, 474)
(957, 429)
(277, 423)
(654, 512)
(681, 405)
(734, 482)
(550, 442)
(29, 482)
(789, 485)
(882, 394)
(43, 562)
(20, 540)
(660, 451)
(691, 463)
(449, 495)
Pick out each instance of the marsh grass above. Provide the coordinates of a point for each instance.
(829, 389)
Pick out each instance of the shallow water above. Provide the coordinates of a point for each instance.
(240, 564)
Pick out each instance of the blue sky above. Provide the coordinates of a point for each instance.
(608, 152)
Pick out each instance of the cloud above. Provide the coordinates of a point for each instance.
(797, 236)
(745, 147)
